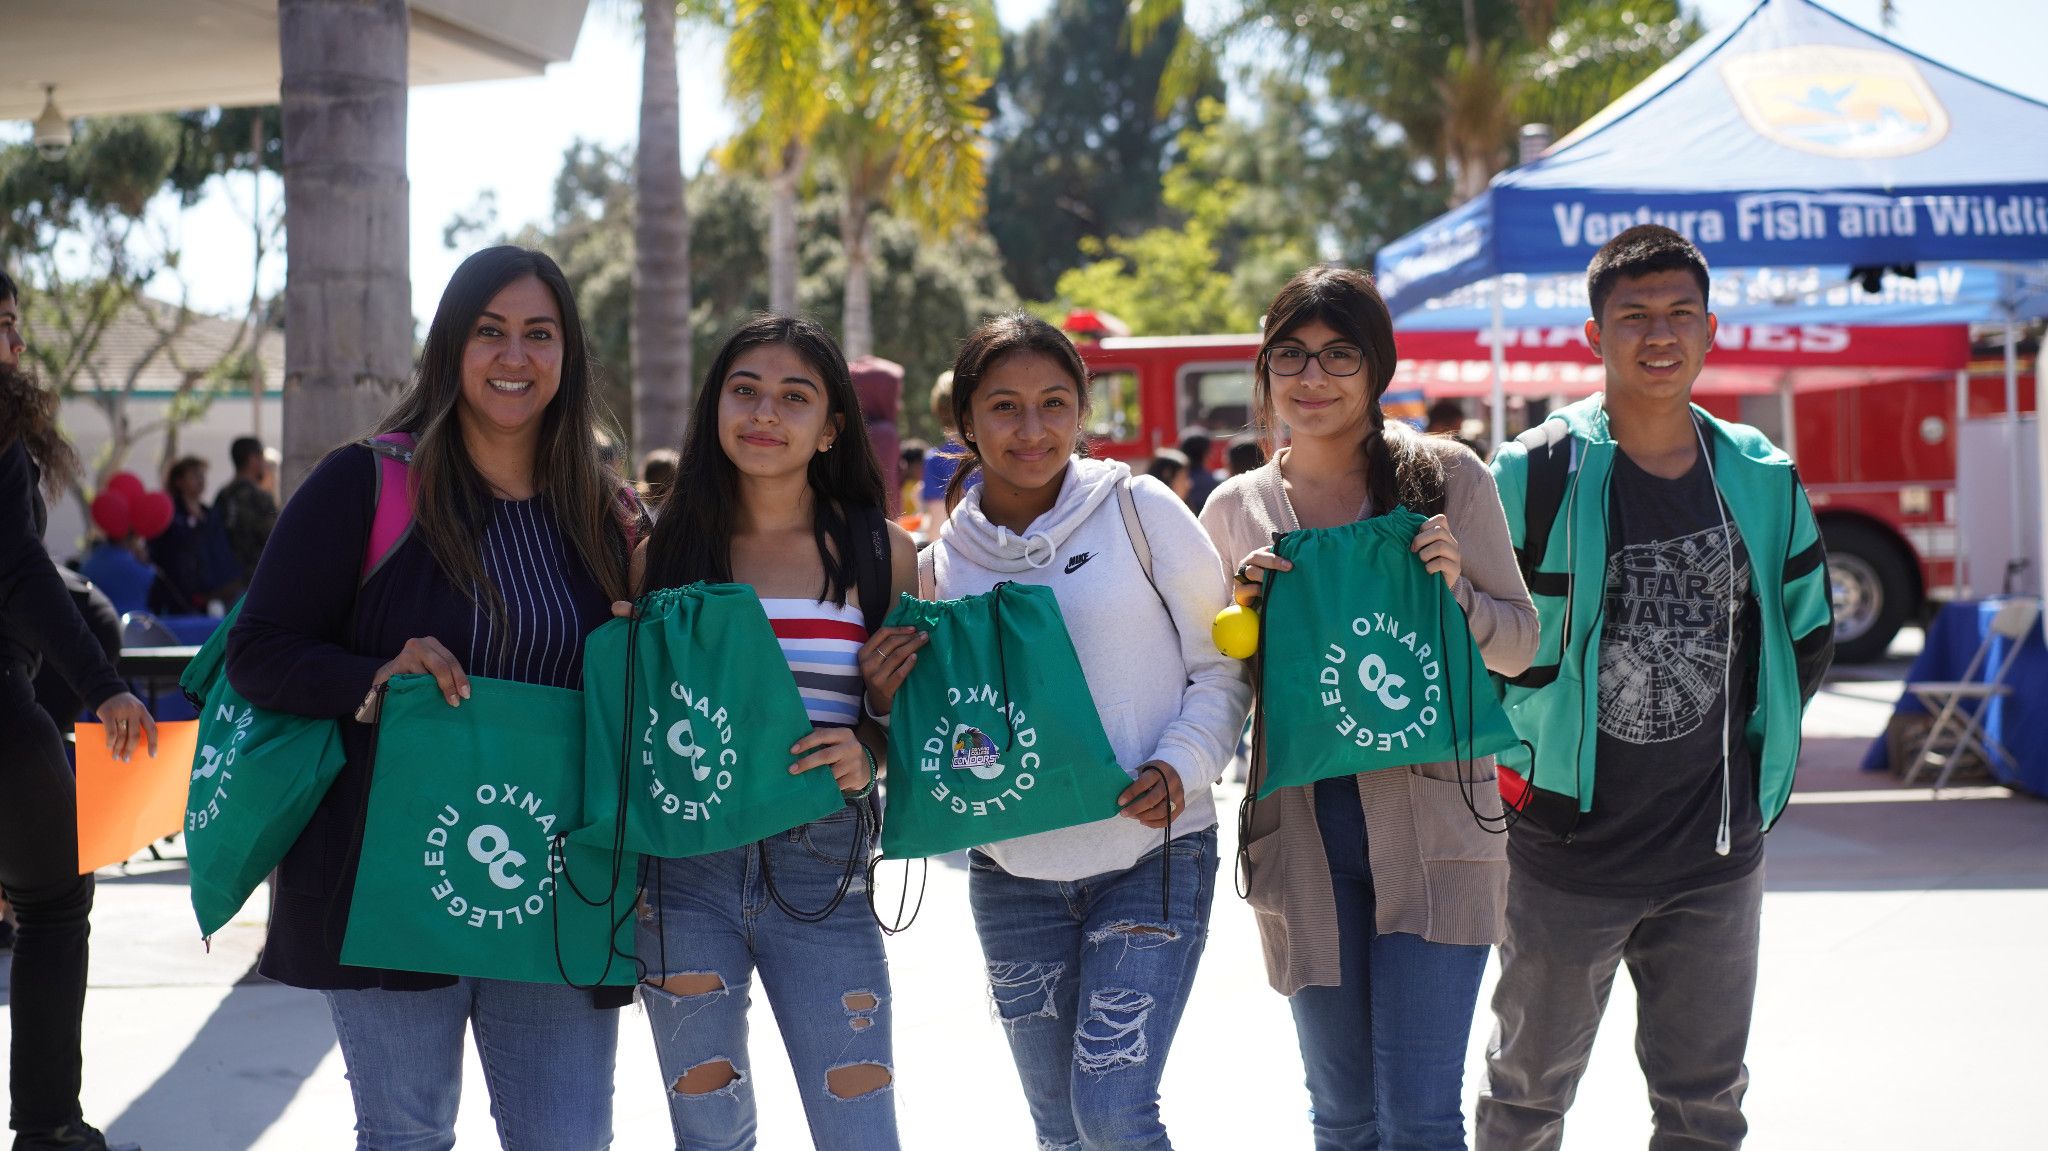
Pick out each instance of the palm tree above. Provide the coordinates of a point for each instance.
(774, 62)
(661, 243)
(348, 295)
(889, 92)
(905, 127)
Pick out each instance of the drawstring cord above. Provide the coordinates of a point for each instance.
(995, 611)
(1468, 785)
(866, 826)
(903, 899)
(1166, 847)
(558, 859)
(1255, 769)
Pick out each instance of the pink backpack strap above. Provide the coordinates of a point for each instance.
(393, 519)
(633, 513)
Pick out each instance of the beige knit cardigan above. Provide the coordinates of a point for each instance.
(1435, 872)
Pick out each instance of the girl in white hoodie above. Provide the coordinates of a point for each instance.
(1092, 933)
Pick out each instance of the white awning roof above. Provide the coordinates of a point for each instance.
(108, 57)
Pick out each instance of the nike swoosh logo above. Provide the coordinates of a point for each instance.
(1074, 565)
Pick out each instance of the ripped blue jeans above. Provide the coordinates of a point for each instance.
(1089, 979)
(710, 925)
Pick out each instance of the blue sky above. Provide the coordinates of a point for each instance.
(508, 136)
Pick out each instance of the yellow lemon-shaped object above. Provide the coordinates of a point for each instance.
(1236, 631)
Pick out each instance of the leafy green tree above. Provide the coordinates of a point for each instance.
(589, 232)
(1455, 77)
(1303, 177)
(927, 295)
(1256, 199)
(78, 238)
(1080, 141)
(1163, 281)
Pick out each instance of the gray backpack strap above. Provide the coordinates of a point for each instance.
(928, 571)
(1135, 528)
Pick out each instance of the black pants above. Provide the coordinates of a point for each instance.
(39, 875)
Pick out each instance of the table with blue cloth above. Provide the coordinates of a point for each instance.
(2018, 721)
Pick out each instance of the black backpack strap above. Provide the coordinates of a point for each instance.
(1549, 445)
(872, 578)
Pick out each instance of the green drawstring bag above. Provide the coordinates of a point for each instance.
(993, 734)
(464, 869)
(256, 779)
(1368, 662)
(690, 712)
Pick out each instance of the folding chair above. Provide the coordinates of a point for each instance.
(1958, 730)
(141, 629)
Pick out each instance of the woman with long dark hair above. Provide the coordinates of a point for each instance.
(1377, 894)
(1087, 969)
(517, 547)
(39, 623)
(778, 488)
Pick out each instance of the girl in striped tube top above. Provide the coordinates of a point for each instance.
(778, 488)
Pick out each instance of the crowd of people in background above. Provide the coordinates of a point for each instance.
(201, 562)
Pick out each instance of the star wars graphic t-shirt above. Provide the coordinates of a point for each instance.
(1676, 571)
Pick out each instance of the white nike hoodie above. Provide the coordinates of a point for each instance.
(1163, 690)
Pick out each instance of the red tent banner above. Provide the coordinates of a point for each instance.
(1922, 347)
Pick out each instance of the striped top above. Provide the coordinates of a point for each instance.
(822, 642)
(540, 640)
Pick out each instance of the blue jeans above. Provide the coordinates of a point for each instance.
(711, 924)
(547, 1052)
(1384, 1050)
(1091, 1076)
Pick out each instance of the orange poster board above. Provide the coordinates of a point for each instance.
(125, 807)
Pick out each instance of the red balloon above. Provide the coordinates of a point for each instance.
(153, 514)
(128, 484)
(110, 512)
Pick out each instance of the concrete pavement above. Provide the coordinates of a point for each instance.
(1898, 1007)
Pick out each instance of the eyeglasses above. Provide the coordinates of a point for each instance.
(1336, 360)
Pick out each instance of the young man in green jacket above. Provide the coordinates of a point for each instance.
(1682, 594)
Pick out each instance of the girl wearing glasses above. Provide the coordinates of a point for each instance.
(1377, 894)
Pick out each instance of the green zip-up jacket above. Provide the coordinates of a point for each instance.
(1553, 703)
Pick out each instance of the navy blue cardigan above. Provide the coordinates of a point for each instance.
(308, 642)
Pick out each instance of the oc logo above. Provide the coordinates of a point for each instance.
(1373, 675)
(490, 846)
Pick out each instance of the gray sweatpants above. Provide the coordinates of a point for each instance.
(1693, 959)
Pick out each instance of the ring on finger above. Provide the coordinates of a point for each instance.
(1244, 573)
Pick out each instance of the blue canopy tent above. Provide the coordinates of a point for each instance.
(1790, 137)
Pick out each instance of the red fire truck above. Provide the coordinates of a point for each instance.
(1877, 450)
